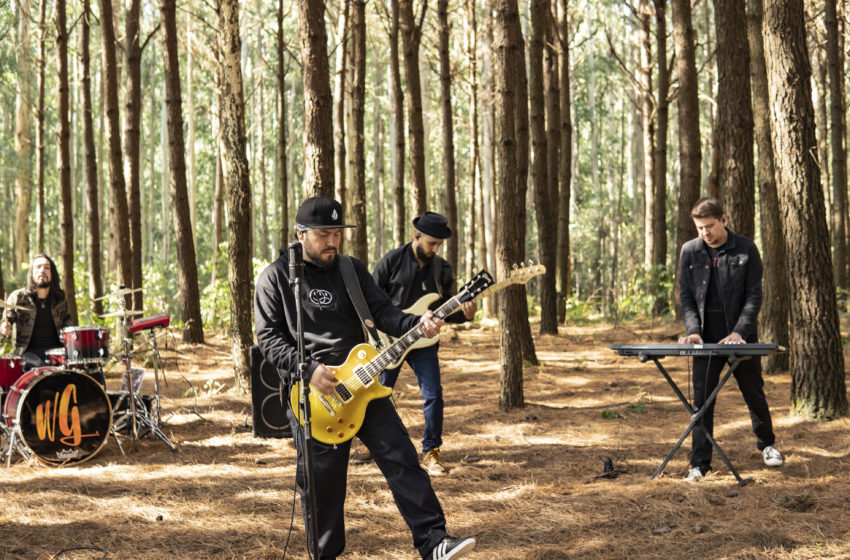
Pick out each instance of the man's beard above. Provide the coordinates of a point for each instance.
(318, 259)
(420, 254)
(42, 284)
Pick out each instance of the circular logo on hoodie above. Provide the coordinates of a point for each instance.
(321, 297)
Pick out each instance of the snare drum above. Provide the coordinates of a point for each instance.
(85, 344)
(62, 416)
(10, 370)
(55, 356)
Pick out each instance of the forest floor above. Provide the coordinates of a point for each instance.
(526, 483)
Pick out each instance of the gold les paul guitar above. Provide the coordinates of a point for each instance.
(335, 418)
(517, 276)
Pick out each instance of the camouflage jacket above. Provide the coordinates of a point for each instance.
(25, 320)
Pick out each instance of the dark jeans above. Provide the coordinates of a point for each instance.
(748, 375)
(385, 436)
(426, 366)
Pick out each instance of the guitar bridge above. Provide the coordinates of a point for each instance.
(327, 405)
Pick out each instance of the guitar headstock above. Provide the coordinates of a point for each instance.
(522, 275)
(478, 284)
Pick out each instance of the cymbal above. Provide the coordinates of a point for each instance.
(4, 305)
(122, 313)
(119, 293)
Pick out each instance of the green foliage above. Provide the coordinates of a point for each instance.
(645, 287)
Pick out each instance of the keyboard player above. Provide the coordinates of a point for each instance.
(720, 275)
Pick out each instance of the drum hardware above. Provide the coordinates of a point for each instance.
(4, 305)
(122, 291)
(123, 313)
(137, 411)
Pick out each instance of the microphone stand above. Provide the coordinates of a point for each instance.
(296, 272)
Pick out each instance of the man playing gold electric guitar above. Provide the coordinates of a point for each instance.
(346, 400)
(416, 273)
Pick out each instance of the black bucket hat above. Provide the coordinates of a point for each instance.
(319, 212)
(433, 224)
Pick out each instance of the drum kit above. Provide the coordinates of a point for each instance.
(61, 414)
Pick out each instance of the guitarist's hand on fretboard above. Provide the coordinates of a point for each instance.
(430, 325)
(323, 380)
(469, 309)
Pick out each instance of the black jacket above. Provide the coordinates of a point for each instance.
(739, 272)
(331, 325)
(398, 269)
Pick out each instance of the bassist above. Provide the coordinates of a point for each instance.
(408, 274)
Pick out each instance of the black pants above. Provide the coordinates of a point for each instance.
(384, 434)
(748, 375)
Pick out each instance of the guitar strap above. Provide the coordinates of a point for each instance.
(437, 265)
(352, 286)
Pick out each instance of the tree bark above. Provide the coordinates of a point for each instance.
(774, 315)
(658, 208)
(690, 155)
(818, 388)
(23, 136)
(39, 131)
(66, 206)
(341, 186)
(834, 20)
(399, 206)
(132, 137)
(474, 174)
(318, 123)
(237, 182)
(90, 167)
(118, 194)
(552, 85)
(543, 202)
(647, 107)
(285, 231)
(358, 108)
(564, 167)
(449, 178)
(411, 36)
(510, 236)
(736, 174)
(187, 269)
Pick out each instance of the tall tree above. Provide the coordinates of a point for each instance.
(187, 269)
(546, 219)
(283, 187)
(471, 21)
(690, 154)
(657, 200)
(318, 123)
(118, 194)
(358, 106)
(39, 131)
(132, 142)
(510, 237)
(411, 37)
(834, 21)
(449, 179)
(564, 165)
(397, 133)
(237, 183)
(734, 126)
(817, 363)
(90, 167)
(66, 206)
(774, 316)
(552, 85)
(341, 186)
(23, 140)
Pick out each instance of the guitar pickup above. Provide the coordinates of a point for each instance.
(363, 376)
(343, 392)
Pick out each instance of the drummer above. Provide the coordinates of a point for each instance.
(40, 312)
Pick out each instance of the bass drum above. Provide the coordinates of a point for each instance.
(62, 416)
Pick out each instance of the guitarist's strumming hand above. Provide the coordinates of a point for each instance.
(323, 380)
(430, 325)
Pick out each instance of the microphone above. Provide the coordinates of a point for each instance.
(295, 259)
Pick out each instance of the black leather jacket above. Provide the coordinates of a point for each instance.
(739, 272)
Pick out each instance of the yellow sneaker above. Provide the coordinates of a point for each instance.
(431, 463)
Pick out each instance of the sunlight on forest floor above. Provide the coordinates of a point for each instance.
(525, 483)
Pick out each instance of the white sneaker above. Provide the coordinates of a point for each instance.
(772, 456)
(695, 474)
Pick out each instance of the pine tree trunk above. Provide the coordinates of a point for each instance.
(318, 124)
(564, 167)
(118, 194)
(488, 160)
(552, 86)
(285, 232)
(187, 269)
(399, 206)
(341, 187)
(360, 247)
(773, 318)
(238, 186)
(647, 107)
(690, 155)
(66, 207)
(818, 388)
(23, 136)
(90, 167)
(736, 175)
(132, 137)
(659, 183)
(449, 178)
(39, 133)
(411, 36)
(471, 21)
